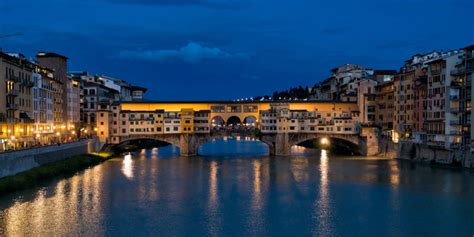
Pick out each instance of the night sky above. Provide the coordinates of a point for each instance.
(229, 49)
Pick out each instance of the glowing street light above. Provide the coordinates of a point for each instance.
(324, 141)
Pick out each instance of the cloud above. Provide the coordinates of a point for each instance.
(191, 53)
(219, 4)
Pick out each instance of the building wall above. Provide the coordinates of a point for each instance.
(59, 64)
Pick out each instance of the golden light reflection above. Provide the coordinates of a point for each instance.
(257, 179)
(322, 205)
(213, 203)
(127, 166)
(213, 182)
(394, 175)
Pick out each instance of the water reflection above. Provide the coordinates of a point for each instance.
(127, 166)
(316, 193)
(322, 204)
(257, 180)
(70, 207)
(213, 223)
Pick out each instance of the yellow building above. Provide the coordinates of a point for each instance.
(187, 120)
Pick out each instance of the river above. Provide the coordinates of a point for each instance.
(222, 193)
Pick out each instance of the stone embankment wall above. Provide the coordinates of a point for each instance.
(424, 153)
(387, 148)
(18, 161)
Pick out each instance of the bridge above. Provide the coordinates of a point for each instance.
(280, 125)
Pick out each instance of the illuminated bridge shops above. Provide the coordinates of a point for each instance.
(280, 125)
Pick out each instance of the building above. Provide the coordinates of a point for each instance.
(16, 101)
(47, 89)
(384, 108)
(97, 92)
(73, 102)
(366, 100)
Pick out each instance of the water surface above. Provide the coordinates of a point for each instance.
(310, 193)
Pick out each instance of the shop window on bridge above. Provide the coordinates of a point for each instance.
(218, 109)
(234, 109)
(250, 108)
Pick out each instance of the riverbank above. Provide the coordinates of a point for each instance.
(12, 163)
(435, 156)
(47, 172)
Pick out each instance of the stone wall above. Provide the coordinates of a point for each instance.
(18, 161)
(387, 148)
(424, 153)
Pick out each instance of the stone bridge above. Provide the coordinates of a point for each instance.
(279, 143)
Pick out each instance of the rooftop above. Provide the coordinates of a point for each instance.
(50, 55)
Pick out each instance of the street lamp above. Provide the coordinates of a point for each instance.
(324, 141)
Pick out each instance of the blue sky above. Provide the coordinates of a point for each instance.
(227, 49)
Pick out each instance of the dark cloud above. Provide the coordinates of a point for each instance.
(217, 4)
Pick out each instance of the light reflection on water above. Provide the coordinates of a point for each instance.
(311, 193)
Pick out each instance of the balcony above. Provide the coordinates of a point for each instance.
(457, 83)
(13, 93)
(455, 133)
(454, 97)
(435, 72)
(27, 83)
(455, 122)
(12, 106)
(455, 110)
(13, 120)
(13, 78)
(461, 71)
(458, 72)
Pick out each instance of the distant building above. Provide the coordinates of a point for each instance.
(98, 92)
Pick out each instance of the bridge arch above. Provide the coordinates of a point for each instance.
(347, 141)
(218, 121)
(169, 138)
(250, 121)
(234, 120)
